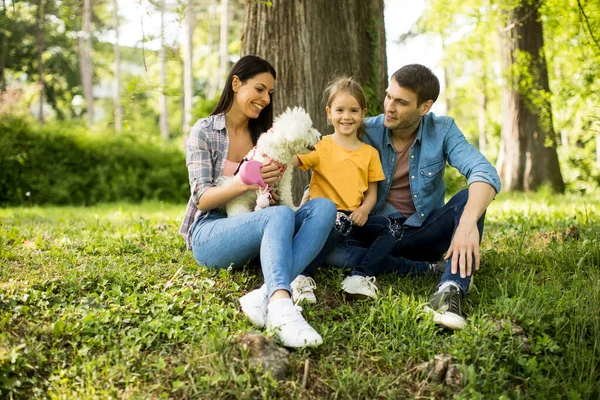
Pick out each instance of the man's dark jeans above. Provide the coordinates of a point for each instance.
(381, 249)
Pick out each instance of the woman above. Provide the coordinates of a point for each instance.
(285, 241)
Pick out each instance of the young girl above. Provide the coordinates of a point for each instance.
(285, 241)
(346, 171)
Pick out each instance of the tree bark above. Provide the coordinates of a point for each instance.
(188, 73)
(3, 46)
(117, 77)
(162, 57)
(528, 156)
(85, 59)
(308, 43)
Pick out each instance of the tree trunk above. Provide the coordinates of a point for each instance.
(85, 59)
(223, 53)
(117, 78)
(528, 156)
(3, 46)
(188, 73)
(309, 42)
(481, 116)
(598, 150)
(162, 59)
(41, 44)
(213, 83)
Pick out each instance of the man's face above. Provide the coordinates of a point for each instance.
(401, 109)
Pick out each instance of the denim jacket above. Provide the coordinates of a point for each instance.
(438, 141)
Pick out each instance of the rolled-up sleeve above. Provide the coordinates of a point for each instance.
(199, 162)
(468, 160)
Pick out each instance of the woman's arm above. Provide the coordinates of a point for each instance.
(217, 196)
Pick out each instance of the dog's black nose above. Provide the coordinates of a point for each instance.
(310, 148)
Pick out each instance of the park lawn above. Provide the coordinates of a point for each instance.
(105, 302)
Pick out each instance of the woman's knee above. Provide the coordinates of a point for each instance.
(324, 206)
(278, 214)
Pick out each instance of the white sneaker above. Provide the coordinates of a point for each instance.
(360, 287)
(303, 289)
(289, 325)
(254, 305)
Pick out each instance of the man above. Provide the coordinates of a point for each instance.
(414, 146)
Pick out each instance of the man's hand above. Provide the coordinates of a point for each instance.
(464, 248)
(359, 216)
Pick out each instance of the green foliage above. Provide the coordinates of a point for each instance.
(105, 302)
(63, 164)
(469, 32)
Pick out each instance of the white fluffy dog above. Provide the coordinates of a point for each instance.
(292, 133)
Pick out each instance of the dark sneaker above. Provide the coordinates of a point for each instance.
(438, 267)
(446, 308)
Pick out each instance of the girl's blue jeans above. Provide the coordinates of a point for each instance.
(406, 250)
(284, 241)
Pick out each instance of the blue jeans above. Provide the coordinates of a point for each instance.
(363, 235)
(395, 250)
(286, 241)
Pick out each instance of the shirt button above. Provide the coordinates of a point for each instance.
(412, 156)
(430, 174)
(413, 177)
(415, 195)
(422, 215)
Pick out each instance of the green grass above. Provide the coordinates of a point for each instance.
(104, 302)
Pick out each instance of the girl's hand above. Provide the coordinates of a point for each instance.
(274, 198)
(271, 173)
(359, 216)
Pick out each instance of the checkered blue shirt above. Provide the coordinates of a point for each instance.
(207, 149)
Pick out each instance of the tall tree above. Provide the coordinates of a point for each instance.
(188, 71)
(308, 42)
(3, 45)
(224, 40)
(162, 57)
(85, 59)
(528, 156)
(117, 71)
(41, 17)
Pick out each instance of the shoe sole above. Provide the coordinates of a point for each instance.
(359, 296)
(305, 300)
(448, 320)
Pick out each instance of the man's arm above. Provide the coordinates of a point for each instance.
(464, 248)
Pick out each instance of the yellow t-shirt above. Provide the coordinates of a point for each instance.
(342, 175)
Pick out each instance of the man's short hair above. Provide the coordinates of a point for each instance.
(420, 80)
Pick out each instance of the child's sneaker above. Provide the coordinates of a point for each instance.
(360, 287)
(289, 325)
(303, 289)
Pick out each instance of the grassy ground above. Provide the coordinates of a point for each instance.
(104, 302)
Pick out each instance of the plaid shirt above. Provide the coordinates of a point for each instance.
(207, 149)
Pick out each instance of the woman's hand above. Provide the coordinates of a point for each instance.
(272, 172)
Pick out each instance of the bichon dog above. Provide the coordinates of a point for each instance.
(292, 134)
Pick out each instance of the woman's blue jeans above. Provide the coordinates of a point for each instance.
(286, 241)
(404, 251)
